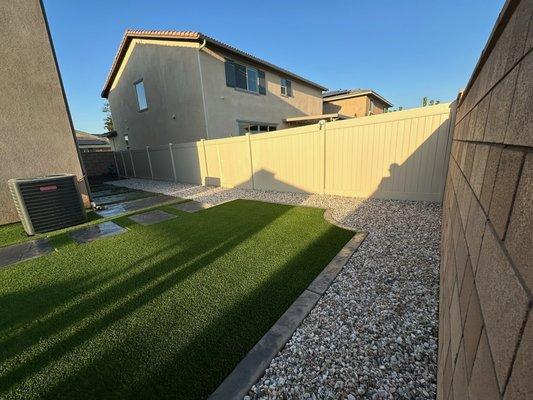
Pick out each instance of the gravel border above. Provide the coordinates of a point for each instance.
(373, 335)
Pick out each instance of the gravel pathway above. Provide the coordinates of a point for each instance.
(374, 333)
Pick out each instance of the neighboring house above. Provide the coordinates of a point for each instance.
(355, 102)
(36, 134)
(89, 143)
(173, 87)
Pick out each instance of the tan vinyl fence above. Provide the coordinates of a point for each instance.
(401, 155)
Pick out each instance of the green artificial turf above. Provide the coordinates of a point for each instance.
(161, 311)
(14, 233)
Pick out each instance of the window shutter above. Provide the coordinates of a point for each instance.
(262, 83)
(289, 87)
(230, 73)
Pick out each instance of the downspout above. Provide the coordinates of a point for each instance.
(202, 88)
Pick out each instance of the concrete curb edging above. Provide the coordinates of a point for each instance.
(238, 383)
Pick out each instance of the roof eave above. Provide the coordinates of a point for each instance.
(350, 95)
(195, 36)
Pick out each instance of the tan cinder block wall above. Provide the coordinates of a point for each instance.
(485, 317)
(36, 135)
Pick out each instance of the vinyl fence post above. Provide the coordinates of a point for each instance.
(132, 164)
(251, 162)
(205, 161)
(322, 127)
(149, 162)
(172, 161)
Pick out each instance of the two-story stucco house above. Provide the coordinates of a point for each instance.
(355, 102)
(174, 87)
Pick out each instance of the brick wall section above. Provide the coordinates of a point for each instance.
(485, 317)
(99, 163)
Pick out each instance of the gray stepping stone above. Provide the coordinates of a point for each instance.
(24, 251)
(191, 206)
(121, 197)
(99, 231)
(134, 205)
(152, 217)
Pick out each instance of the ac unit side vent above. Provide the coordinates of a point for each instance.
(48, 203)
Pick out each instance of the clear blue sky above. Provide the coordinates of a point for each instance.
(404, 50)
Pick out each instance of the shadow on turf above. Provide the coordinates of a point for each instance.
(32, 322)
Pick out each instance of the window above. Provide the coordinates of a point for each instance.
(255, 127)
(141, 95)
(127, 140)
(246, 78)
(286, 87)
(371, 108)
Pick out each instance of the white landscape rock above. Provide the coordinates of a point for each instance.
(373, 335)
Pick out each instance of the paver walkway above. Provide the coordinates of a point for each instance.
(152, 217)
(24, 251)
(134, 205)
(98, 231)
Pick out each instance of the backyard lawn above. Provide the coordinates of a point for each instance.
(161, 311)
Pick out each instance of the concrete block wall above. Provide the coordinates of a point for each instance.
(485, 317)
(99, 164)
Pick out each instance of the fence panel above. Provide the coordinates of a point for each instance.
(290, 160)
(399, 155)
(234, 162)
(121, 169)
(141, 164)
(128, 164)
(212, 159)
(161, 163)
(188, 162)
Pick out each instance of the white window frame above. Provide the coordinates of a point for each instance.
(271, 127)
(136, 85)
(256, 79)
(283, 85)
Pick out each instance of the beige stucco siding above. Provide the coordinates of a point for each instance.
(226, 105)
(354, 106)
(172, 84)
(36, 136)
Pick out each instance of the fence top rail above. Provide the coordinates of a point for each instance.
(158, 148)
(439, 109)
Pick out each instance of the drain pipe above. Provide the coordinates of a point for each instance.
(202, 87)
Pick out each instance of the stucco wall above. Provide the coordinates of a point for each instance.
(172, 84)
(353, 106)
(171, 75)
(485, 317)
(35, 132)
(225, 105)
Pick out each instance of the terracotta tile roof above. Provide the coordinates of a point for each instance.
(131, 34)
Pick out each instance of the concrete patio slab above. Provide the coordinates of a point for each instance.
(152, 217)
(191, 206)
(105, 229)
(24, 251)
(135, 205)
